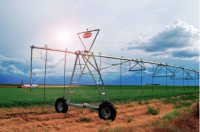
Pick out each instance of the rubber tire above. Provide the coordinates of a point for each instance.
(112, 109)
(65, 106)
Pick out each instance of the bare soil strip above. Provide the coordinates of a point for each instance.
(46, 119)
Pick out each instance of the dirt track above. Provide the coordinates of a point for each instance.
(46, 119)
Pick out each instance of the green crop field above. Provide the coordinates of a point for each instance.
(20, 97)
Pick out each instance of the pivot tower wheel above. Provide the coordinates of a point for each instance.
(61, 105)
(107, 111)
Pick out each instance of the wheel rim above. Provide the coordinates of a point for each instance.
(60, 106)
(106, 112)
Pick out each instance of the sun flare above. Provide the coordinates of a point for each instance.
(64, 37)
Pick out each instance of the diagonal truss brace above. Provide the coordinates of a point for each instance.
(184, 71)
(86, 60)
(167, 68)
(137, 63)
(98, 71)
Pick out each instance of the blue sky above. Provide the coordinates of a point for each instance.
(162, 31)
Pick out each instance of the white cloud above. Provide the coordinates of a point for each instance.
(147, 72)
(3, 69)
(179, 40)
(12, 69)
(129, 73)
(51, 72)
(7, 60)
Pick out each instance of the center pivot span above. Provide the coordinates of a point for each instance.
(106, 109)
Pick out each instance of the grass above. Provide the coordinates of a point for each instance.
(129, 119)
(92, 110)
(86, 119)
(153, 111)
(186, 121)
(19, 97)
(108, 122)
(140, 102)
(155, 123)
(100, 129)
(146, 102)
(170, 116)
(182, 104)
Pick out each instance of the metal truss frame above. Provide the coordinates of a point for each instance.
(137, 63)
(89, 32)
(86, 56)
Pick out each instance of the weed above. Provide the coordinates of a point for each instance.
(140, 102)
(129, 119)
(46, 130)
(187, 97)
(155, 123)
(108, 122)
(146, 102)
(118, 129)
(92, 110)
(81, 111)
(170, 100)
(187, 122)
(100, 129)
(176, 113)
(171, 128)
(182, 104)
(35, 130)
(168, 116)
(85, 119)
(153, 111)
(107, 130)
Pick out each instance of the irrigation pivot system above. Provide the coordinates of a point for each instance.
(106, 109)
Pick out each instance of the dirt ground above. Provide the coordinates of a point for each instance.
(45, 119)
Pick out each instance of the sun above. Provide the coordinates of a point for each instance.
(64, 37)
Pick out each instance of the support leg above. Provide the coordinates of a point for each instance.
(72, 78)
(152, 77)
(100, 77)
(45, 71)
(141, 77)
(31, 69)
(64, 74)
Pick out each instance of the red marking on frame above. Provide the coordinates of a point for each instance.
(87, 35)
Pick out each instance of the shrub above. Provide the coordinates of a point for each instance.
(152, 111)
(168, 116)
